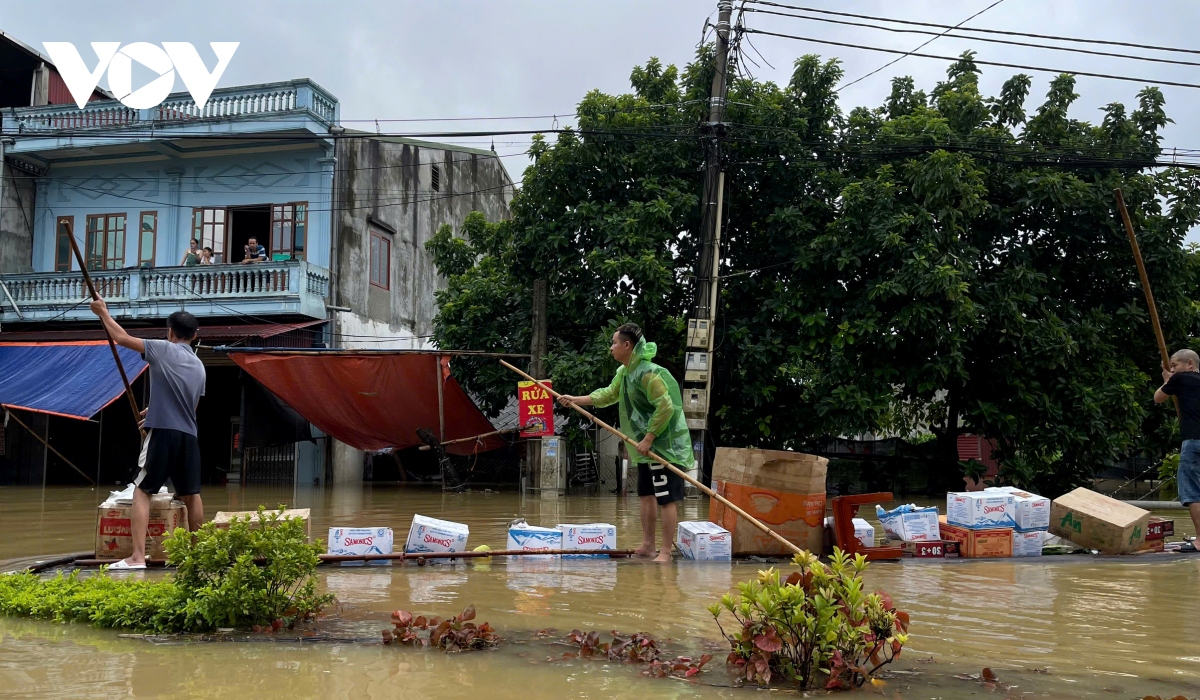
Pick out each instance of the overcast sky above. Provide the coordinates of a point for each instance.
(402, 59)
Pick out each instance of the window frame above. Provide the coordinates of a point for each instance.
(153, 238)
(382, 249)
(117, 260)
(58, 235)
(295, 216)
(217, 244)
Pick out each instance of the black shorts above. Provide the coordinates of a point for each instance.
(656, 480)
(169, 453)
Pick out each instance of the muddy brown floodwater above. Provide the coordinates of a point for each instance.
(1057, 627)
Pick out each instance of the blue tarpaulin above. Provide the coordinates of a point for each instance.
(75, 380)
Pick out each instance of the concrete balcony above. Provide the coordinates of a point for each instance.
(295, 105)
(290, 287)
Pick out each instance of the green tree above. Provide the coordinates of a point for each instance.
(944, 262)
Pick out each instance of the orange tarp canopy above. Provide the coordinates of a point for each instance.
(372, 400)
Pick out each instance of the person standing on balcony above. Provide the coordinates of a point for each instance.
(255, 253)
(191, 256)
(171, 448)
(651, 410)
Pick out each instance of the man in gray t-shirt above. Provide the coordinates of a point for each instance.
(171, 449)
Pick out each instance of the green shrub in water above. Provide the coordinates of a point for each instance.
(815, 627)
(235, 577)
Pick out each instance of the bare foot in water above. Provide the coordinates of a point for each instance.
(664, 557)
(646, 550)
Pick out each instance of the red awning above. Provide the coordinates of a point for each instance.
(372, 400)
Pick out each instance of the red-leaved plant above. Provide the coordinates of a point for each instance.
(634, 649)
(454, 634)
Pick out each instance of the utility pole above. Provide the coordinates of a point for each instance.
(537, 348)
(701, 327)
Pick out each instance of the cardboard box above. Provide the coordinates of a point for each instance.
(598, 536)
(981, 509)
(433, 535)
(930, 549)
(114, 538)
(704, 541)
(223, 518)
(528, 538)
(979, 543)
(1027, 543)
(909, 524)
(361, 540)
(1152, 546)
(1095, 521)
(785, 490)
(1159, 528)
(1033, 511)
(864, 531)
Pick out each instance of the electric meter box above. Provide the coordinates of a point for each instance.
(696, 367)
(697, 336)
(695, 403)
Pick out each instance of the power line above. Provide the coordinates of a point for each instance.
(1009, 42)
(953, 59)
(982, 31)
(927, 43)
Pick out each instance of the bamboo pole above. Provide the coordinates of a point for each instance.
(686, 477)
(137, 416)
(49, 447)
(1141, 268)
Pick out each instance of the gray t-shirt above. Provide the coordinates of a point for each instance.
(176, 385)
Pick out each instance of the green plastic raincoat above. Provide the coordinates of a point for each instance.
(650, 403)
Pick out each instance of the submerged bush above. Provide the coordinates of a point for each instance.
(816, 625)
(235, 577)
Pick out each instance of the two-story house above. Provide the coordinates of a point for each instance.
(343, 216)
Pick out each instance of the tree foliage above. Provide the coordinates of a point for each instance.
(946, 262)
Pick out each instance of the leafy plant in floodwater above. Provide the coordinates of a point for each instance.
(818, 621)
(457, 633)
(634, 649)
(240, 577)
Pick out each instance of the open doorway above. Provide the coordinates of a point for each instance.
(246, 223)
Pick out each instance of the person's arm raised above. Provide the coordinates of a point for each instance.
(115, 331)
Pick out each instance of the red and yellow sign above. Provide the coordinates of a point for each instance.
(535, 409)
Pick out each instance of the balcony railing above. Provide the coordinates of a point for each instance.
(296, 97)
(287, 287)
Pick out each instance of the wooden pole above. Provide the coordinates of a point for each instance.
(47, 444)
(87, 279)
(686, 477)
(1141, 268)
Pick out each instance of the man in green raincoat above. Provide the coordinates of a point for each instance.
(652, 413)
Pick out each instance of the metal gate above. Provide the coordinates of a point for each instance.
(273, 466)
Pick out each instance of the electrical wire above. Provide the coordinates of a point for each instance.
(953, 59)
(1008, 42)
(982, 31)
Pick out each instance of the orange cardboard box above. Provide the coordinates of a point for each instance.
(785, 490)
(113, 529)
(993, 542)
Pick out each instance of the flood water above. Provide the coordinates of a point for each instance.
(1055, 627)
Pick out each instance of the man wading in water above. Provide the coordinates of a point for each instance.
(1183, 382)
(170, 448)
(651, 413)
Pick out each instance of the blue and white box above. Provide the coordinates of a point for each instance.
(361, 540)
(1033, 511)
(433, 535)
(909, 523)
(598, 536)
(981, 510)
(704, 541)
(1028, 543)
(528, 538)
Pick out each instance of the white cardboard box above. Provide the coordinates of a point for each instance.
(1028, 543)
(704, 541)
(979, 510)
(864, 531)
(589, 536)
(361, 540)
(433, 535)
(917, 525)
(529, 538)
(1033, 511)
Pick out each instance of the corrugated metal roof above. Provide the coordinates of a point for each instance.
(259, 330)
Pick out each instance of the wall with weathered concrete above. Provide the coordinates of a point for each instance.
(386, 183)
(16, 221)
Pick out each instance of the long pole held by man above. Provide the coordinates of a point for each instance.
(171, 448)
